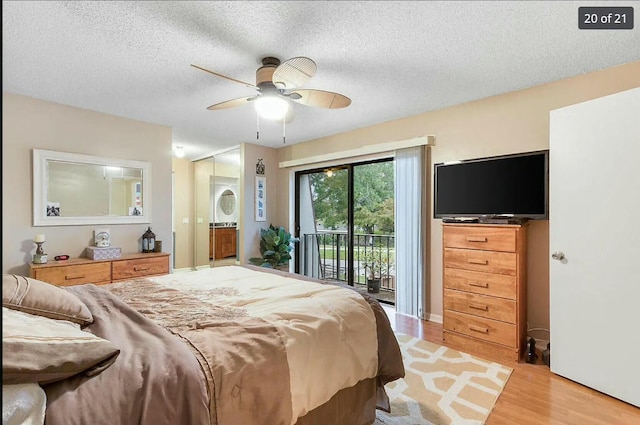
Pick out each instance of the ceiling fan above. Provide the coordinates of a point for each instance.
(277, 83)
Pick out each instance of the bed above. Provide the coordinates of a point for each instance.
(235, 345)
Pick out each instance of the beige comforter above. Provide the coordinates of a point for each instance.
(272, 346)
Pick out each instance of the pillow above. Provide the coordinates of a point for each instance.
(43, 299)
(23, 404)
(42, 350)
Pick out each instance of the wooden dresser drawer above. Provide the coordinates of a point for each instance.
(482, 261)
(486, 238)
(127, 269)
(494, 308)
(98, 273)
(497, 285)
(481, 328)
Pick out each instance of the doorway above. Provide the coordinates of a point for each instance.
(345, 222)
(224, 226)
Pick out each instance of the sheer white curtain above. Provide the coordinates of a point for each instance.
(409, 177)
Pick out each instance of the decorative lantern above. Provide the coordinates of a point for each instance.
(148, 241)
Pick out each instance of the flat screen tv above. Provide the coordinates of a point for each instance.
(502, 186)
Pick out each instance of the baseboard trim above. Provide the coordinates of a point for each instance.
(435, 318)
(185, 269)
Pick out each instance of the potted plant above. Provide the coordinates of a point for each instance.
(276, 245)
(378, 264)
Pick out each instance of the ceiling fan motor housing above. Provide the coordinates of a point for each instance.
(264, 74)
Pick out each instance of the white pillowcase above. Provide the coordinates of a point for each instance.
(23, 404)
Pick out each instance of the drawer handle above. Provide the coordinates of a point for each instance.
(482, 307)
(141, 269)
(476, 239)
(483, 262)
(78, 276)
(478, 329)
(479, 284)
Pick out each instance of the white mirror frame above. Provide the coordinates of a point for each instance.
(40, 188)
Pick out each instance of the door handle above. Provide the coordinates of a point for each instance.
(558, 255)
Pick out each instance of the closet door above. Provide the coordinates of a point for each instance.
(594, 238)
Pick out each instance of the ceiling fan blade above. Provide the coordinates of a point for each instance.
(321, 99)
(294, 72)
(232, 103)
(225, 77)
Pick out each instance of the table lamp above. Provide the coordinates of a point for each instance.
(40, 257)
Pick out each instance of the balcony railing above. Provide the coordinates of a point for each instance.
(325, 256)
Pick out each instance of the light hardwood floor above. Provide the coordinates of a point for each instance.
(534, 395)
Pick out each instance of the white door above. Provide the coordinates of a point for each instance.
(594, 221)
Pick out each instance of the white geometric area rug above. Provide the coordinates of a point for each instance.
(442, 386)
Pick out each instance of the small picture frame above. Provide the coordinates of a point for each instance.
(53, 209)
(261, 198)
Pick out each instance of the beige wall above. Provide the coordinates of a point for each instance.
(249, 228)
(509, 123)
(183, 204)
(28, 124)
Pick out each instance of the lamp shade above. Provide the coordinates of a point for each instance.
(271, 107)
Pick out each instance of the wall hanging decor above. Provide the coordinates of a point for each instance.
(261, 198)
(260, 167)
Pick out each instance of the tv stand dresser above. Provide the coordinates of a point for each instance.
(484, 289)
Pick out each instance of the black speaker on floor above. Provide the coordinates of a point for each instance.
(532, 357)
(546, 355)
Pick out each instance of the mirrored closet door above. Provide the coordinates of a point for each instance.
(218, 199)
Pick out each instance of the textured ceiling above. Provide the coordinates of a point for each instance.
(393, 59)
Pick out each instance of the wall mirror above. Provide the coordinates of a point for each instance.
(227, 202)
(73, 189)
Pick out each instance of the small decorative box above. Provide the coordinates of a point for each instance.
(98, 253)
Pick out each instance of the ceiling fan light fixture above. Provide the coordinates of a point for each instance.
(271, 107)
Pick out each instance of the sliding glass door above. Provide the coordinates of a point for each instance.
(374, 228)
(322, 223)
(345, 222)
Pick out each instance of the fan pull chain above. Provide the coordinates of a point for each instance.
(284, 126)
(257, 126)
